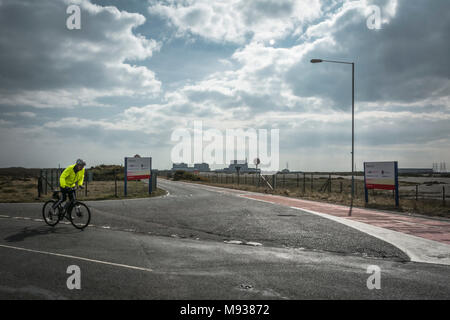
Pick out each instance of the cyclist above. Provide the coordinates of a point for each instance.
(73, 175)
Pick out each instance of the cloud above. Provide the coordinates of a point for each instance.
(46, 65)
(237, 21)
(244, 64)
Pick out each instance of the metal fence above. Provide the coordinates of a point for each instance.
(104, 183)
(308, 182)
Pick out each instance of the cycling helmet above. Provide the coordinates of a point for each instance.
(81, 162)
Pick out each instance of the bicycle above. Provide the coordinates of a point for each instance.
(77, 212)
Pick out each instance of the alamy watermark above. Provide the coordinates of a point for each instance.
(374, 281)
(373, 14)
(74, 280)
(217, 147)
(73, 21)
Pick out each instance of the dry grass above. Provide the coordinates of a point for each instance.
(25, 190)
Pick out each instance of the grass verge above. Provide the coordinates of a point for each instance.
(20, 190)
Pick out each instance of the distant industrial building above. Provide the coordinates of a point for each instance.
(241, 164)
(200, 167)
(414, 171)
(179, 166)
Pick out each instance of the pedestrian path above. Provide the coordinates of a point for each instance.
(422, 239)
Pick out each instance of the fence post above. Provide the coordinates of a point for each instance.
(150, 182)
(39, 186)
(284, 180)
(312, 179)
(46, 181)
(274, 181)
(115, 183)
(340, 183)
(329, 179)
(443, 196)
(298, 182)
(304, 182)
(87, 182)
(417, 192)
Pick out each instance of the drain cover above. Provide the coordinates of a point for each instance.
(246, 286)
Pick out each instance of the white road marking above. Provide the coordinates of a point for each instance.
(78, 258)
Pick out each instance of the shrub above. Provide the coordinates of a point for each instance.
(183, 175)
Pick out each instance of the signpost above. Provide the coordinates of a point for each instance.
(137, 168)
(381, 175)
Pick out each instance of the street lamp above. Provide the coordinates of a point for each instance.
(353, 114)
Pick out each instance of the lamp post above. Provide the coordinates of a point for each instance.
(353, 114)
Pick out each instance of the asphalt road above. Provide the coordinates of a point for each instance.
(173, 247)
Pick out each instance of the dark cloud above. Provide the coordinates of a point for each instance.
(407, 60)
(38, 52)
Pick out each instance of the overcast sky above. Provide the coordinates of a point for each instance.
(138, 70)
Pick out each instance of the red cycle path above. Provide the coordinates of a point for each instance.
(421, 227)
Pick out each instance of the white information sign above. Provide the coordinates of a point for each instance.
(380, 175)
(138, 168)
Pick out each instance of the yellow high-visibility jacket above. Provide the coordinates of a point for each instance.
(69, 177)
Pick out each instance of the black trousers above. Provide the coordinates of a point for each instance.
(65, 192)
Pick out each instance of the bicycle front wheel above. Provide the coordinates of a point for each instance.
(80, 215)
(50, 215)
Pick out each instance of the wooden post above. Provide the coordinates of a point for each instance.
(329, 179)
(312, 179)
(417, 192)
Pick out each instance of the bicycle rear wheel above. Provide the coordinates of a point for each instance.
(79, 215)
(50, 215)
